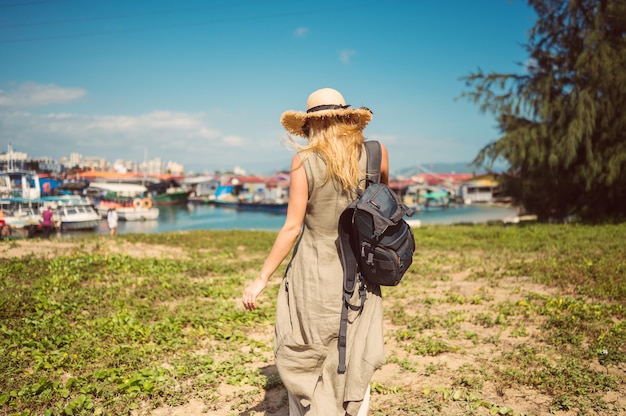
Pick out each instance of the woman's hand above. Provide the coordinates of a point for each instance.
(252, 292)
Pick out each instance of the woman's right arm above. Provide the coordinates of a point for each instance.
(298, 198)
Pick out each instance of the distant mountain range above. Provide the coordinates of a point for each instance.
(437, 168)
(446, 168)
(269, 168)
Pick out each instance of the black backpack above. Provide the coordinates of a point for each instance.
(376, 244)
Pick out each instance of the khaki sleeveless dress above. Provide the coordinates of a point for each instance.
(309, 310)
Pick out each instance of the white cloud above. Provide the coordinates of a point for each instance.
(188, 138)
(233, 141)
(31, 95)
(346, 55)
(168, 134)
(156, 123)
(301, 32)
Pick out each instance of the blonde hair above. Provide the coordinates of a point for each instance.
(338, 141)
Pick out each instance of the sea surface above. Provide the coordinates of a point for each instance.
(210, 217)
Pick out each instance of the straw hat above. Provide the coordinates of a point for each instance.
(325, 102)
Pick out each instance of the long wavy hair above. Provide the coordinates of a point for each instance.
(338, 141)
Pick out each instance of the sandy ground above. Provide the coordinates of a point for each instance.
(398, 387)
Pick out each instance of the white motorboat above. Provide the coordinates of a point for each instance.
(20, 218)
(73, 212)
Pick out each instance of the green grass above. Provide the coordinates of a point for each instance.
(93, 332)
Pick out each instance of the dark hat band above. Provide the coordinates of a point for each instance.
(327, 107)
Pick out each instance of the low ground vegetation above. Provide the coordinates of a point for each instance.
(490, 320)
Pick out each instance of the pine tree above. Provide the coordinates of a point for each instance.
(563, 120)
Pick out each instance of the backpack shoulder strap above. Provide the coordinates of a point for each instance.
(351, 279)
(374, 159)
(348, 252)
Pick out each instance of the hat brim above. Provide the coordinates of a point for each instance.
(293, 121)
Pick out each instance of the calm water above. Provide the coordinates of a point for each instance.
(209, 217)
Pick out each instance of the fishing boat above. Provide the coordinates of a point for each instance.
(130, 201)
(171, 196)
(139, 209)
(167, 192)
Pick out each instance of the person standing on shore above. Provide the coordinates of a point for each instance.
(325, 173)
(46, 223)
(112, 219)
(5, 230)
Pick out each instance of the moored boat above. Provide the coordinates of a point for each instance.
(171, 197)
(425, 197)
(130, 201)
(21, 217)
(168, 193)
(276, 207)
(140, 209)
(73, 212)
(78, 217)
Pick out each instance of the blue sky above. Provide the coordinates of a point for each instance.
(204, 83)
